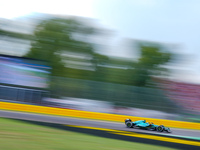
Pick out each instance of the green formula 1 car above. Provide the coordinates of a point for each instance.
(142, 124)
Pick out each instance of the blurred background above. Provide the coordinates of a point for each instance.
(133, 57)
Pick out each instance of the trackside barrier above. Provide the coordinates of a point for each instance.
(92, 115)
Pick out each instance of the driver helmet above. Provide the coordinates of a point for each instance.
(150, 123)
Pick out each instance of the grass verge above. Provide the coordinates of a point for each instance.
(17, 135)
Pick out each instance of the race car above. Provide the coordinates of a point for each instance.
(142, 124)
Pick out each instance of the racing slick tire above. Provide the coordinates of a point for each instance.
(127, 120)
(129, 124)
(160, 128)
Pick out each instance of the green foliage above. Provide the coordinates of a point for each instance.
(152, 57)
(55, 36)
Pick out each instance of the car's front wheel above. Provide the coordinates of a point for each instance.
(128, 120)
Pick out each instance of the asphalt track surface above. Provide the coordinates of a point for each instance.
(110, 129)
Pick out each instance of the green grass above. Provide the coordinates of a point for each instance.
(16, 135)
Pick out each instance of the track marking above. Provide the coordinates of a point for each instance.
(146, 136)
(173, 135)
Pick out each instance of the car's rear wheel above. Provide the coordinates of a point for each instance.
(129, 124)
(160, 128)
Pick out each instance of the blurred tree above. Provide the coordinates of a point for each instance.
(152, 57)
(116, 70)
(54, 37)
(99, 62)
